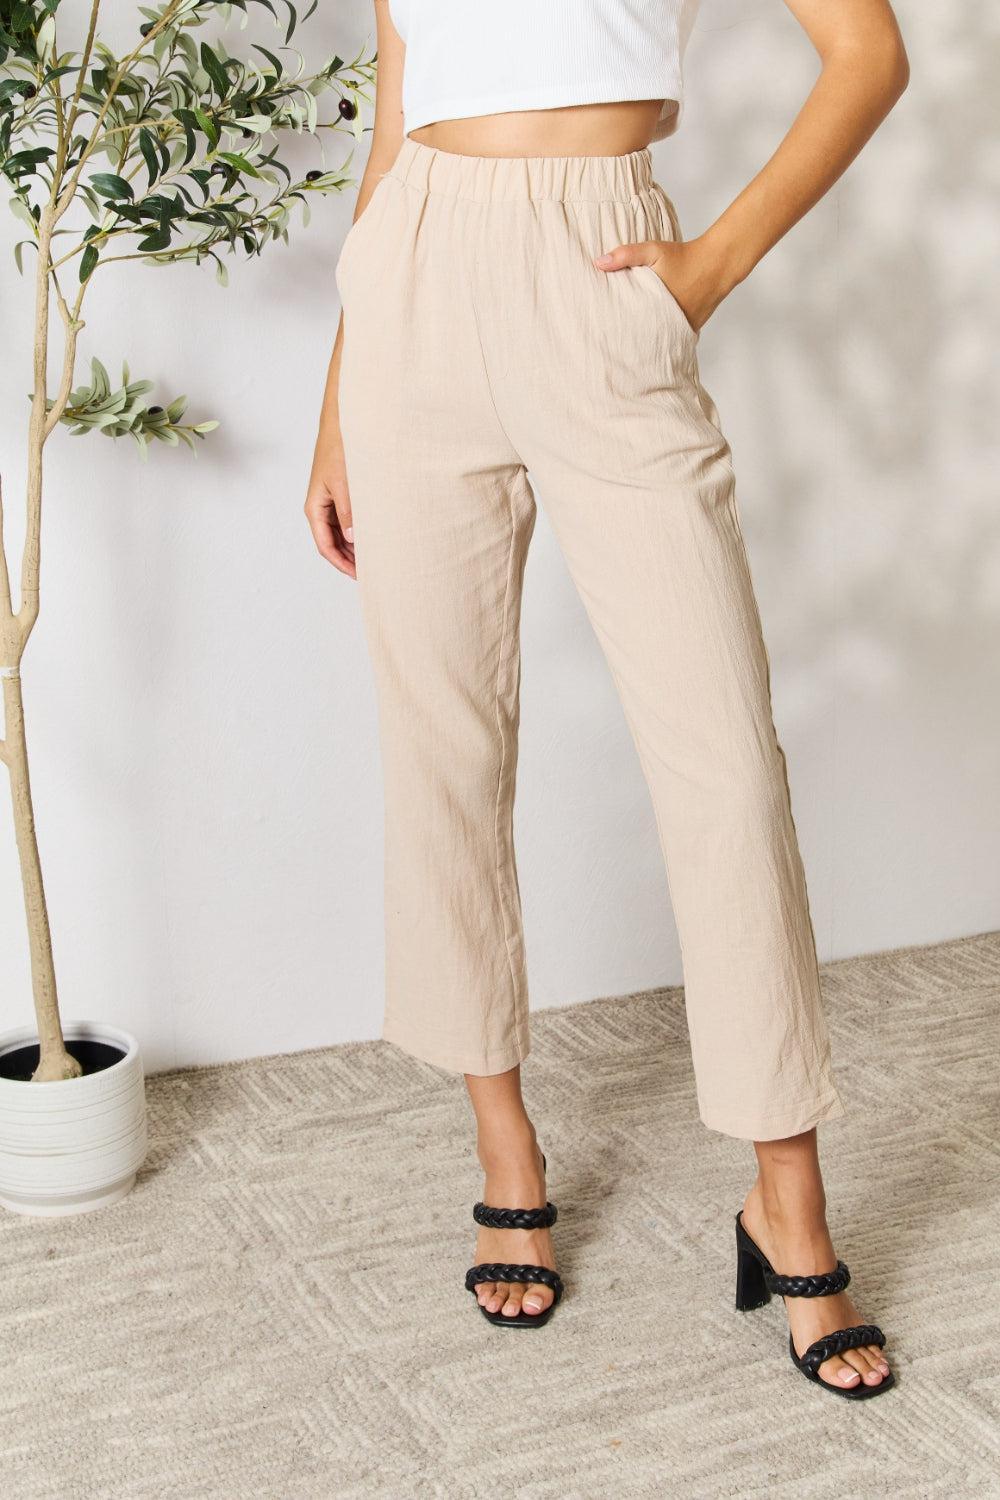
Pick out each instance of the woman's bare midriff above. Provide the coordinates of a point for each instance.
(578, 130)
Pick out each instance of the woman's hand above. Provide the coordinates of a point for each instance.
(328, 498)
(688, 269)
(864, 71)
(328, 510)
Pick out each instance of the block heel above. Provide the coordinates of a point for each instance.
(751, 1288)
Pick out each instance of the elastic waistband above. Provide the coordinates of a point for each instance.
(584, 178)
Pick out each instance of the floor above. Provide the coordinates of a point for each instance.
(277, 1311)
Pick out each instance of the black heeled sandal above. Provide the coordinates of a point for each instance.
(516, 1218)
(757, 1281)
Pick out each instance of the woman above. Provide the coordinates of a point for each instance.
(517, 296)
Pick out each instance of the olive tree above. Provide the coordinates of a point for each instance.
(168, 151)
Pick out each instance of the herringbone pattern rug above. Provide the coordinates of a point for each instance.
(277, 1310)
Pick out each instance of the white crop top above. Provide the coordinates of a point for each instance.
(485, 57)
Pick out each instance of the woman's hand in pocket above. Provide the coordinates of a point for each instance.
(328, 511)
(687, 269)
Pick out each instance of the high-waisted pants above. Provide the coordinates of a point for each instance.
(481, 343)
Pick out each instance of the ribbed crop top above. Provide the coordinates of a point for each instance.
(485, 57)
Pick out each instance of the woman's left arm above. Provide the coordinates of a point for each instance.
(864, 71)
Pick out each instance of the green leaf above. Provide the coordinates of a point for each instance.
(91, 200)
(188, 121)
(45, 37)
(105, 420)
(88, 260)
(259, 124)
(147, 146)
(208, 125)
(187, 48)
(102, 380)
(160, 206)
(216, 72)
(160, 240)
(110, 185)
(21, 211)
(59, 72)
(240, 162)
(272, 59)
(23, 163)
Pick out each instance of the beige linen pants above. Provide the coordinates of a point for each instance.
(480, 343)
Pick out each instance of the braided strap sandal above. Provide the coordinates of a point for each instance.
(515, 1218)
(757, 1281)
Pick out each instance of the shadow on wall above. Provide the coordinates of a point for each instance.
(903, 354)
(855, 374)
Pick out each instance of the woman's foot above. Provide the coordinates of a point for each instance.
(514, 1179)
(790, 1227)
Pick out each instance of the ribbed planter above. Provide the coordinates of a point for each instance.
(76, 1145)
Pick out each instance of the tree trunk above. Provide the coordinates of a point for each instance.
(54, 1061)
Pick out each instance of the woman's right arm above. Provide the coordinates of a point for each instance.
(328, 500)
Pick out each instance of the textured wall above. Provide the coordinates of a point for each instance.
(200, 711)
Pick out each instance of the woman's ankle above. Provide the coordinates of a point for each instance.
(505, 1143)
(789, 1190)
(786, 1202)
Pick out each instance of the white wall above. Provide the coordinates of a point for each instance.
(200, 710)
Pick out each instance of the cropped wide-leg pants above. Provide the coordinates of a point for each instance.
(481, 343)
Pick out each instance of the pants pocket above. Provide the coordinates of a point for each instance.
(677, 312)
(362, 224)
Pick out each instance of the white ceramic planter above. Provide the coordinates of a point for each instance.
(75, 1145)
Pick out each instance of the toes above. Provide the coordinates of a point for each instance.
(858, 1360)
(499, 1297)
(866, 1367)
(537, 1298)
(515, 1293)
(861, 1363)
(838, 1372)
(484, 1291)
(877, 1367)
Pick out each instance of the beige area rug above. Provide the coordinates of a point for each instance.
(277, 1310)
